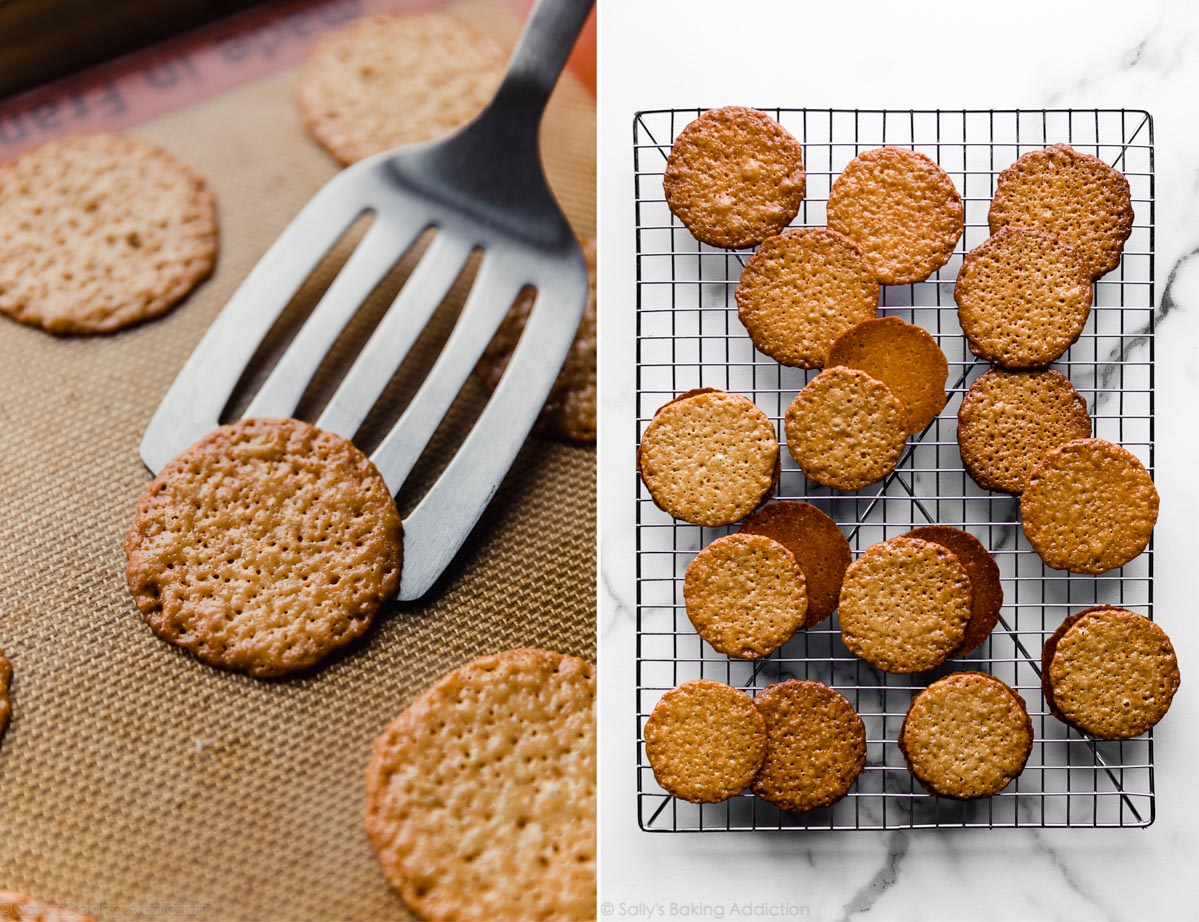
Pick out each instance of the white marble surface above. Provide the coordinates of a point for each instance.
(935, 54)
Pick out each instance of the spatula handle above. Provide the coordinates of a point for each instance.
(541, 53)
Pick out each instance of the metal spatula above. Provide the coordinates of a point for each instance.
(481, 188)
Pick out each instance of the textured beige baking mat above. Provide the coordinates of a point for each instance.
(136, 782)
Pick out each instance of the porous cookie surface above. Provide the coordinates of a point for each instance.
(1109, 672)
(966, 735)
(709, 457)
(481, 795)
(264, 546)
(746, 595)
(1089, 507)
(20, 907)
(393, 79)
(1023, 297)
(986, 590)
(845, 429)
(5, 703)
(705, 741)
(101, 231)
(801, 290)
(815, 745)
(734, 177)
(1073, 195)
(569, 410)
(816, 543)
(902, 209)
(905, 605)
(904, 357)
(1009, 419)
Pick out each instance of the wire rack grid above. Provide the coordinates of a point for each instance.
(688, 336)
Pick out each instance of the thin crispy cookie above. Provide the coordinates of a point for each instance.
(264, 546)
(709, 457)
(746, 595)
(905, 605)
(966, 735)
(904, 357)
(902, 209)
(1089, 507)
(1109, 672)
(1073, 195)
(569, 410)
(845, 429)
(5, 702)
(816, 542)
(800, 291)
(1023, 298)
(1009, 419)
(734, 177)
(101, 231)
(705, 741)
(815, 746)
(481, 795)
(394, 79)
(20, 907)
(986, 590)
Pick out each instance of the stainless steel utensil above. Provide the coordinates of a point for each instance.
(481, 188)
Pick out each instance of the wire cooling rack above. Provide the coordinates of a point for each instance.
(688, 336)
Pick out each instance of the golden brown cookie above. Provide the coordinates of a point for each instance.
(709, 457)
(1075, 196)
(801, 290)
(986, 591)
(817, 544)
(815, 745)
(966, 735)
(734, 177)
(904, 357)
(745, 595)
(20, 907)
(902, 209)
(1023, 298)
(1109, 672)
(481, 795)
(5, 703)
(1089, 507)
(569, 410)
(705, 741)
(905, 605)
(1009, 419)
(264, 546)
(393, 79)
(101, 231)
(845, 429)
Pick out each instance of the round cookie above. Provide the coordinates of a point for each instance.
(1009, 419)
(392, 79)
(966, 735)
(816, 543)
(705, 741)
(986, 590)
(845, 429)
(1089, 507)
(801, 290)
(905, 605)
(1075, 196)
(569, 410)
(904, 357)
(902, 209)
(734, 177)
(1109, 672)
(746, 595)
(101, 231)
(1023, 298)
(709, 457)
(20, 907)
(481, 795)
(264, 546)
(5, 703)
(815, 746)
